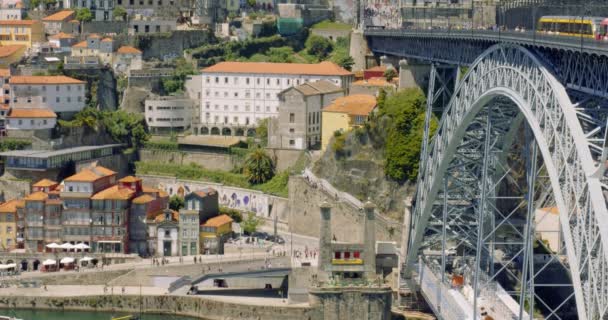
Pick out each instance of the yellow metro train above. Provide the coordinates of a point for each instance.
(575, 26)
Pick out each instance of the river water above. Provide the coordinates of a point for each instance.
(80, 315)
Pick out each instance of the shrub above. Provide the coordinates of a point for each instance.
(233, 213)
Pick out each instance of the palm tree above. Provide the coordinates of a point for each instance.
(258, 168)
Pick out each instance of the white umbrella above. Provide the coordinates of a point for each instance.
(86, 259)
(66, 245)
(67, 260)
(52, 245)
(7, 266)
(49, 262)
(81, 246)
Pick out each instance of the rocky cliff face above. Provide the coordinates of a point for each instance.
(360, 172)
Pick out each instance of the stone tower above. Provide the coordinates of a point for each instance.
(369, 238)
(325, 250)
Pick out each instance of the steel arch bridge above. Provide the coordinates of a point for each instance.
(510, 114)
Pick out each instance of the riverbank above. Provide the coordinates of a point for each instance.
(190, 306)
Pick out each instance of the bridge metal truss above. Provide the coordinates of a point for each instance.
(578, 65)
(470, 194)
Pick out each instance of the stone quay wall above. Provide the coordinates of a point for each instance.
(191, 306)
(366, 303)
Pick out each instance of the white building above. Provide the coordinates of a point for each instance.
(167, 233)
(127, 58)
(31, 119)
(8, 13)
(236, 95)
(62, 94)
(168, 114)
(101, 9)
(548, 228)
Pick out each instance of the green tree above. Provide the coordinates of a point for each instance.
(390, 73)
(280, 54)
(261, 132)
(402, 150)
(126, 127)
(34, 4)
(119, 12)
(84, 15)
(176, 202)
(182, 70)
(251, 3)
(381, 99)
(250, 225)
(344, 60)
(258, 167)
(318, 46)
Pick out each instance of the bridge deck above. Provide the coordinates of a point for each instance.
(528, 38)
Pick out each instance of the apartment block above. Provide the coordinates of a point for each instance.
(21, 32)
(63, 95)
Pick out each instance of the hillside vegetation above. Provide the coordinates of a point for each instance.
(380, 160)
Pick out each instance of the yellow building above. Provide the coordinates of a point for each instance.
(8, 224)
(345, 114)
(21, 32)
(214, 232)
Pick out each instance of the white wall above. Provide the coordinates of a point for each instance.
(30, 123)
(239, 101)
(11, 14)
(78, 187)
(60, 98)
(179, 113)
(161, 238)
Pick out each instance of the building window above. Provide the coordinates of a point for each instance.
(79, 99)
(236, 94)
(217, 79)
(247, 81)
(346, 255)
(268, 81)
(69, 99)
(226, 80)
(292, 117)
(167, 233)
(357, 255)
(278, 82)
(56, 88)
(236, 80)
(292, 143)
(292, 130)
(337, 255)
(236, 120)
(236, 108)
(57, 99)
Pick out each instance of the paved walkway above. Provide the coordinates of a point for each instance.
(146, 264)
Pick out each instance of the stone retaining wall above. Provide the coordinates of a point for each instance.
(176, 305)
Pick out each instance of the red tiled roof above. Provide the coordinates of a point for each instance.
(90, 175)
(5, 73)
(11, 206)
(218, 221)
(324, 68)
(17, 22)
(128, 50)
(9, 50)
(44, 183)
(355, 105)
(44, 80)
(32, 113)
(59, 16)
(36, 196)
(61, 35)
(114, 193)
